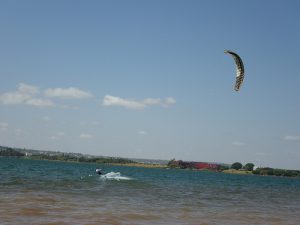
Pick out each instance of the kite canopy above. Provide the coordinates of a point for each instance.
(239, 69)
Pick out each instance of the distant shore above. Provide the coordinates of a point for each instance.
(144, 165)
(233, 171)
(118, 161)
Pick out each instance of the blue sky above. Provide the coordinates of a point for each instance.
(149, 79)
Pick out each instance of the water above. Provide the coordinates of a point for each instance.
(48, 192)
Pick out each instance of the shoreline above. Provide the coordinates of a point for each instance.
(143, 165)
(240, 172)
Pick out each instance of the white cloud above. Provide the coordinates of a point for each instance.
(109, 100)
(28, 89)
(291, 138)
(25, 94)
(39, 102)
(89, 124)
(67, 93)
(142, 132)
(260, 153)
(58, 135)
(46, 118)
(238, 143)
(30, 95)
(94, 123)
(3, 126)
(117, 101)
(152, 101)
(68, 107)
(18, 131)
(14, 98)
(170, 101)
(85, 136)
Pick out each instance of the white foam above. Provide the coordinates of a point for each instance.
(114, 176)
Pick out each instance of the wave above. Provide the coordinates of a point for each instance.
(114, 176)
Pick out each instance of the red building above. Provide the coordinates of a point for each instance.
(203, 165)
(194, 165)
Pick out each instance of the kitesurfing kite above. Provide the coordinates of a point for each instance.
(239, 69)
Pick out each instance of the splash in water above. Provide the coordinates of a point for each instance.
(114, 176)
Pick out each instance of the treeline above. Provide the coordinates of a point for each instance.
(10, 152)
(105, 160)
(70, 158)
(237, 167)
(59, 156)
(240, 166)
(276, 172)
(266, 170)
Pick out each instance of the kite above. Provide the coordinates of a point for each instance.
(239, 69)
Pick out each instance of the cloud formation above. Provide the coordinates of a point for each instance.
(58, 135)
(170, 101)
(46, 118)
(85, 136)
(292, 138)
(89, 124)
(3, 126)
(19, 131)
(25, 94)
(39, 102)
(110, 100)
(67, 93)
(29, 89)
(238, 143)
(31, 95)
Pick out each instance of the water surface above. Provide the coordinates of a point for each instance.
(48, 192)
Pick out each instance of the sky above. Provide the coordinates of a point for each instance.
(149, 79)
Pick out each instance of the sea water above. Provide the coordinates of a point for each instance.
(50, 192)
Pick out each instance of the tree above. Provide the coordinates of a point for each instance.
(236, 166)
(172, 163)
(10, 152)
(223, 167)
(249, 166)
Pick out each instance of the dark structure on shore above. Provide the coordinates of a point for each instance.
(194, 165)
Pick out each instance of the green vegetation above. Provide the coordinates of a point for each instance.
(264, 171)
(248, 167)
(224, 167)
(237, 171)
(105, 160)
(276, 172)
(236, 166)
(70, 158)
(59, 156)
(10, 152)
